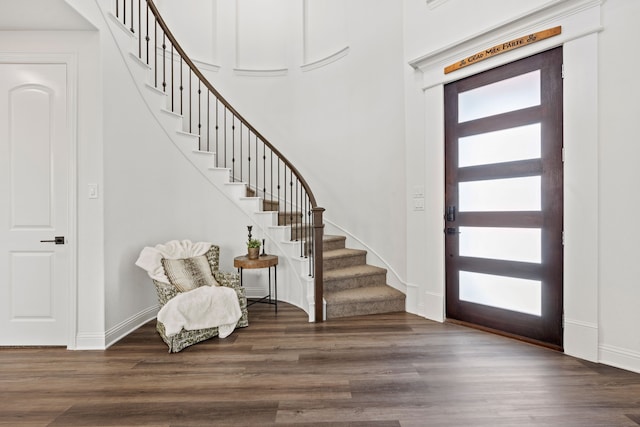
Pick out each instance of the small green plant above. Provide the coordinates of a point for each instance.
(253, 243)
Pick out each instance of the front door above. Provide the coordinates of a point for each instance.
(504, 199)
(34, 179)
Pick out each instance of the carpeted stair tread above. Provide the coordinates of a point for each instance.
(342, 258)
(356, 276)
(332, 242)
(362, 301)
(344, 252)
(354, 271)
(369, 293)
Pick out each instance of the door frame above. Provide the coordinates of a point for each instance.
(71, 62)
(545, 329)
(581, 23)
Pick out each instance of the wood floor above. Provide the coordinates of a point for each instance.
(381, 370)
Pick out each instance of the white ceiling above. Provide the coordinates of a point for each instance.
(40, 15)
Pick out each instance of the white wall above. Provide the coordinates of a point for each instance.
(619, 199)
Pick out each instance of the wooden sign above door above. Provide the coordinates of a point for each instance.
(503, 47)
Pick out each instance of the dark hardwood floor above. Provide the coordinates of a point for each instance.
(382, 370)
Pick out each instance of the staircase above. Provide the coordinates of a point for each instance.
(238, 160)
(351, 286)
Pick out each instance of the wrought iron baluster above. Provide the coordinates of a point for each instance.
(139, 29)
(131, 28)
(242, 156)
(190, 102)
(217, 135)
(155, 54)
(172, 83)
(181, 89)
(264, 172)
(278, 189)
(199, 116)
(233, 147)
(147, 38)
(256, 186)
(164, 60)
(291, 201)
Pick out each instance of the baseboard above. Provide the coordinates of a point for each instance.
(620, 358)
(412, 305)
(428, 304)
(124, 328)
(581, 339)
(89, 341)
(434, 306)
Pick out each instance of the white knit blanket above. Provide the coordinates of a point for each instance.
(201, 308)
(150, 258)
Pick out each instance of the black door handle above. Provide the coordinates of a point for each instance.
(58, 240)
(451, 231)
(451, 213)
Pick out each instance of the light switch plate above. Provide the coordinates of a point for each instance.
(93, 191)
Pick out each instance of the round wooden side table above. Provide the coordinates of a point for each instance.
(264, 261)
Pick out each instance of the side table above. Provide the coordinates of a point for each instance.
(264, 261)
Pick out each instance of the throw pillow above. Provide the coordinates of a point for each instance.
(189, 273)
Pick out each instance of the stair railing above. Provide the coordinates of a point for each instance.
(236, 144)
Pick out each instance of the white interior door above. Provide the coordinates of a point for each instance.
(34, 176)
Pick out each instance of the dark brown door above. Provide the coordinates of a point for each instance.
(503, 142)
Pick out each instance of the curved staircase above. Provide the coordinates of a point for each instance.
(325, 270)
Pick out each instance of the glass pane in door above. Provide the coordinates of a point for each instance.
(512, 94)
(509, 293)
(500, 195)
(513, 244)
(506, 145)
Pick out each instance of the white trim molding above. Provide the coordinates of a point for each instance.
(325, 61)
(578, 18)
(432, 4)
(581, 339)
(260, 73)
(620, 358)
(129, 325)
(434, 306)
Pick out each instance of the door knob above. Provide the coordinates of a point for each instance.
(58, 240)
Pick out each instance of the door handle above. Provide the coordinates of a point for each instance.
(58, 240)
(451, 231)
(451, 213)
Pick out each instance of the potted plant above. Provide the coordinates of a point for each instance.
(253, 247)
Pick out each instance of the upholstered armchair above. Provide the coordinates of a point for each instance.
(160, 263)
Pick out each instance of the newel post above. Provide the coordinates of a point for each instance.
(318, 232)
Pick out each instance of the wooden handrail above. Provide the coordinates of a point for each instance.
(209, 86)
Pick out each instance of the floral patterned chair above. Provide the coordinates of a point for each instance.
(153, 260)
